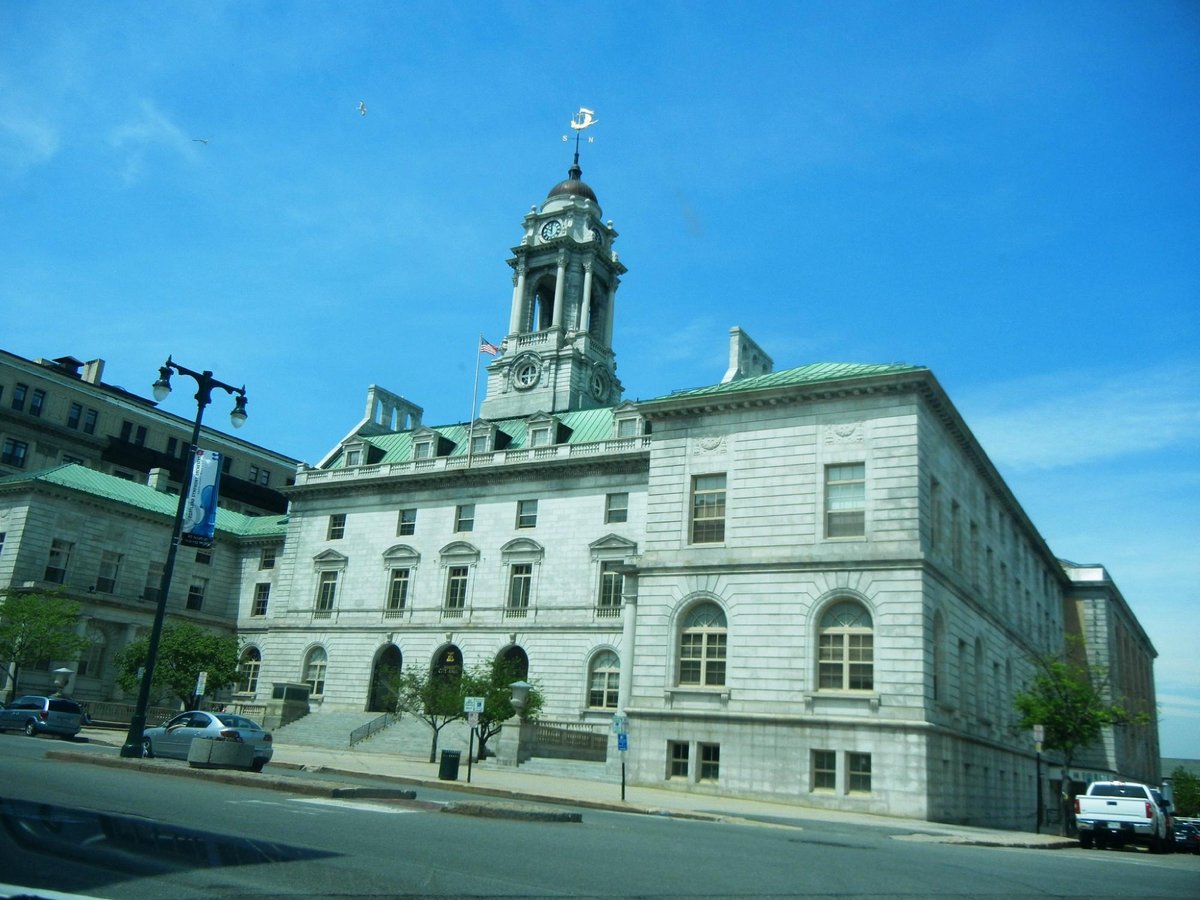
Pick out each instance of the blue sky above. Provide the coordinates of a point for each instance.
(1005, 192)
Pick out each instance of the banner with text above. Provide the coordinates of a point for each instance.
(200, 513)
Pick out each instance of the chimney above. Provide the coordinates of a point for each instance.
(746, 358)
(93, 369)
(159, 479)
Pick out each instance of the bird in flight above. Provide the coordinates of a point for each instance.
(362, 108)
(199, 140)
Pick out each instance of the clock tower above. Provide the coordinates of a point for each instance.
(557, 355)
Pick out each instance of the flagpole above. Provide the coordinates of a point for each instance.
(474, 399)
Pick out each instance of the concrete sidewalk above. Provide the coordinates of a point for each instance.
(505, 784)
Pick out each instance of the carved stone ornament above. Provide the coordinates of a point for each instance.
(844, 433)
(713, 443)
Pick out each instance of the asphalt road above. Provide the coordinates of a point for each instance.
(114, 833)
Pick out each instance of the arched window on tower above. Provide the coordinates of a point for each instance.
(541, 307)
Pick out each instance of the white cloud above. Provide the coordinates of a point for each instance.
(1079, 417)
(150, 132)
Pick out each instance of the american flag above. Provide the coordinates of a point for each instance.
(488, 347)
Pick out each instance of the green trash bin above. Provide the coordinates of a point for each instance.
(448, 770)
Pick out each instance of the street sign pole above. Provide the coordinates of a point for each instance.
(472, 706)
(1039, 735)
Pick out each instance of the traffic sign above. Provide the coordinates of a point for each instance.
(622, 742)
(472, 704)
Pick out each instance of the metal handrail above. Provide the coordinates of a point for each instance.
(362, 732)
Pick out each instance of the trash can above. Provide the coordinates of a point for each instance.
(448, 770)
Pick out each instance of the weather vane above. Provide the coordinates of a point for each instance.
(583, 119)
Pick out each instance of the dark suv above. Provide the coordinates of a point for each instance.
(35, 714)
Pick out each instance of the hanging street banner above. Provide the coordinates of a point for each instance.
(200, 513)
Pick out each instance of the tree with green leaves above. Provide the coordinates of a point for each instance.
(1185, 786)
(184, 651)
(1072, 700)
(493, 682)
(36, 626)
(435, 697)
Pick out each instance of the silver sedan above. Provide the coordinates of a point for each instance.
(174, 737)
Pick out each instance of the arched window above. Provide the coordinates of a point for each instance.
(91, 661)
(604, 675)
(845, 651)
(248, 668)
(702, 646)
(314, 671)
(939, 658)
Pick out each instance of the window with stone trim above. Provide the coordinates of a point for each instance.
(845, 648)
(315, 664)
(845, 500)
(327, 584)
(456, 590)
(464, 517)
(708, 509)
(710, 761)
(604, 677)
(677, 759)
(702, 644)
(262, 596)
(616, 508)
(59, 561)
(249, 666)
(407, 522)
(520, 583)
(612, 584)
(527, 513)
(858, 773)
(110, 570)
(337, 527)
(196, 591)
(824, 770)
(397, 598)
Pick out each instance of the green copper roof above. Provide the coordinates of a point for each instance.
(143, 497)
(814, 373)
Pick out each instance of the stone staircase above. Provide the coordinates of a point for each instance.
(411, 737)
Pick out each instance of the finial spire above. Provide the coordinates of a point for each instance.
(583, 119)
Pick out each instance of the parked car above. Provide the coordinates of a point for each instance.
(1187, 838)
(174, 738)
(38, 714)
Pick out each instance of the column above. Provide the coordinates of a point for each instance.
(585, 308)
(628, 635)
(560, 286)
(516, 320)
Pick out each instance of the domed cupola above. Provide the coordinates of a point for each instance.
(573, 186)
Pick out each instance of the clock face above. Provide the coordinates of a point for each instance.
(551, 230)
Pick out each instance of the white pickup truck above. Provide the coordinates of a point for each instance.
(1113, 813)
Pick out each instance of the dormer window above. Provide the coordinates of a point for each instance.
(423, 449)
(540, 436)
(481, 443)
(628, 426)
(353, 456)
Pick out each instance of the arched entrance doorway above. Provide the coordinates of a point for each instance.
(515, 663)
(448, 664)
(385, 680)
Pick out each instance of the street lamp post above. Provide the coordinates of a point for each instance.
(205, 384)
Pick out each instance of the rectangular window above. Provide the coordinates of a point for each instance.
(195, 598)
(845, 500)
(423, 450)
(824, 770)
(481, 443)
(172, 446)
(527, 513)
(226, 464)
(407, 523)
(326, 592)
(612, 583)
(15, 453)
(456, 589)
(204, 557)
(74, 416)
(337, 527)
(2, 535)
(708, 509)
(398, 590)
(627, 428)
(37, 402)
(264, 477)
(110, 567)
(539, 437)
(616, 508)
(266, 559)
(464, 517)
(89, 421)
(677, 759)
(154, 576)
(710, 762)
(262, 595)
(353, 458)
(253, 479)
(858, 773)
(520, 580)
(20, 392)
(59, 561)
